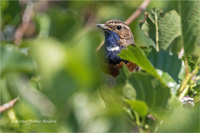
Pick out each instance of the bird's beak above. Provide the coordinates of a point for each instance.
(102, 26)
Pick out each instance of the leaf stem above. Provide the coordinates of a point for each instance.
(186, 66)
(157, 39)
(184, 88)
(137, 118)
(183, 92)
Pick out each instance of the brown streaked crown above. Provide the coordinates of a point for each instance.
(122, 29)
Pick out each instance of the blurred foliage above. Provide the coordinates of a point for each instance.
(57, 74)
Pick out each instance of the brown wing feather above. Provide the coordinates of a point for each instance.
(131, 66)
(114, 69)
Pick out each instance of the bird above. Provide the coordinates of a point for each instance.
(118, 36)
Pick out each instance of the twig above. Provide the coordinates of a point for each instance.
(8, 105)
(133, 16)
(98, 48)
(137, 13)
(25, 23)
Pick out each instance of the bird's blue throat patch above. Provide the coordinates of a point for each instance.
(112, 48)
(111, 38)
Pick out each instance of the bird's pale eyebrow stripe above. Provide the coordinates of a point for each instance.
(119, 23)
(126, 27)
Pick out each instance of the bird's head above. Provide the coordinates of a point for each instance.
(117, 33)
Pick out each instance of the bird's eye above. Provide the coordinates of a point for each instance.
(119, 27)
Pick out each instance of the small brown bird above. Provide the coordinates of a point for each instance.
(117, 37)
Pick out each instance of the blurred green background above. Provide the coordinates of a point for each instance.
(55, 70)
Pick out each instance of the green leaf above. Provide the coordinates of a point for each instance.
(176, 45)
(139, 106)
(196, 52)
(182, 120)
(50, 56)
(63, 28)
(169, 81)
(43, 25)
(190, 19)
(173, 104)
(197, 90)
(137, 56)
(162, 29)
(12, 60)
(27, 92)
(162, 60)
(129, 91)
(150, 90)
(10, 13)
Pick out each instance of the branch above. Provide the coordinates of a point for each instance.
(26, 18)
(137, 13)
(133, 16)
(8, 105)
